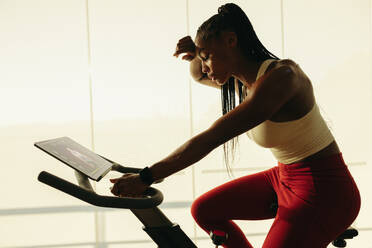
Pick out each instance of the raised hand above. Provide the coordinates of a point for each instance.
(185, 45)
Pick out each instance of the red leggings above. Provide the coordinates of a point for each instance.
(317, 201)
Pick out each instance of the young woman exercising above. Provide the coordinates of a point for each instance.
(316, 195)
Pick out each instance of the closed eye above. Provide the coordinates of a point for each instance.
(204, 58)
(204, 76)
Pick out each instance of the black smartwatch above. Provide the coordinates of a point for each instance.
(146, 176)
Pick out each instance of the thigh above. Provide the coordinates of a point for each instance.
(300, 233)
(245, 198)
(300, 223)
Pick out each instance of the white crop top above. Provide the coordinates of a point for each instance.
(294, 140)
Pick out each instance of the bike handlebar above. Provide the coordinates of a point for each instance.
(153, 196)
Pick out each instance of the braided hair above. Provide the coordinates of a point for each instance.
(231, 17)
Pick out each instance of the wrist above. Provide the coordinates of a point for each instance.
(146, 176)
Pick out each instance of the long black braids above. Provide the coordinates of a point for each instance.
(231, 17)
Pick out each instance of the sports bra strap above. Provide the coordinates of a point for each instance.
(263, 67)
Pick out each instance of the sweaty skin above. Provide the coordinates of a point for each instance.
(294, 109)
(283, 93)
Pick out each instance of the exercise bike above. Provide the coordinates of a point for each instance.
(161, 230)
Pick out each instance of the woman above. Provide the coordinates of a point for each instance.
(316, 195)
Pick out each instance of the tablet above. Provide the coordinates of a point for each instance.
(76, 156)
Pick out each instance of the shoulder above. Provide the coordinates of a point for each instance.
(292, 71)
(280, 80)
(284, 63)
(284, 68)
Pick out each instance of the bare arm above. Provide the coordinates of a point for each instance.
(270, 93)
(200, 77)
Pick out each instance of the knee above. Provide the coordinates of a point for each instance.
(199, 208)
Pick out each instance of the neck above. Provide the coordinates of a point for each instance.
(246, 70)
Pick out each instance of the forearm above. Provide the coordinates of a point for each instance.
(189, 153)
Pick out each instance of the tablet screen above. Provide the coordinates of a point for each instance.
(76, 156)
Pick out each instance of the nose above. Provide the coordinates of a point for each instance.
(205, 68)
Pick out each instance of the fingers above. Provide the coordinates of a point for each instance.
(186, 38)
(114, 180)
(118, 191)
(187, 57)
(185, 45)
(125, 186)
(123, 193)
(114, 190)
(182, 48)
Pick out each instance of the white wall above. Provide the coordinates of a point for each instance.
(116, 89)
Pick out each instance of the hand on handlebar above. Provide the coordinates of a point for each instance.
(128, 185)
(186, 45)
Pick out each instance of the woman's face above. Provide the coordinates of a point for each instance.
(215, 58)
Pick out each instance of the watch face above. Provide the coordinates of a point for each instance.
(146, 176)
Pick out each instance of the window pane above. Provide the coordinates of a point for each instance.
(46, 229)
(44, 91)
